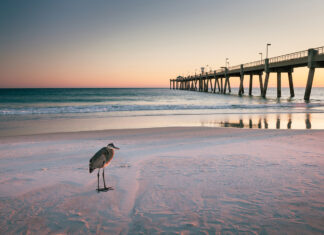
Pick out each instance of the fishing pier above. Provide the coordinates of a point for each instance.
(219, 80)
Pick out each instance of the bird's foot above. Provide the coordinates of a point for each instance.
(105, 189)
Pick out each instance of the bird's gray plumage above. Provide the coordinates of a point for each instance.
(101, 158)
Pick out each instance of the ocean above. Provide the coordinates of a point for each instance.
(35, 111)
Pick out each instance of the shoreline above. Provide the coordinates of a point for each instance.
(58, 110)
(246, 121)
(52, 136)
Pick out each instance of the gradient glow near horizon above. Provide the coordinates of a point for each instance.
(145, 43)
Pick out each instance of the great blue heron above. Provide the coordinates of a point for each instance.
(102, 159)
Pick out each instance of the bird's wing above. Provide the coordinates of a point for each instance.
(110, 155)
(99, 159)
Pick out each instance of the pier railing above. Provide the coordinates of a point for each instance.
(277, 59)
(253, 64)
(291, 56)
(234, 67)
(320, 50)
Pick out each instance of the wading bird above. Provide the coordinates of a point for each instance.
(102, 159)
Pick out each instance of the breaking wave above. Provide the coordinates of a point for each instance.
(116, 108)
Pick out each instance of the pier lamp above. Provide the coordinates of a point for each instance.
(260, 53)
(268, 44)
(226, 62)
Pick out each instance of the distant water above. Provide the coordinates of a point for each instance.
(28, 111)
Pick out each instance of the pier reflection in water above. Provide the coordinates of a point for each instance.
(270, 121)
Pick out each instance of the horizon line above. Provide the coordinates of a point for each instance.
(128, 87)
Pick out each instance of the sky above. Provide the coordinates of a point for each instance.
(144, 43)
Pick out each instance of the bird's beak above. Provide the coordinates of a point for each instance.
(116, 147)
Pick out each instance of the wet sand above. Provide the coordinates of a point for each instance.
(172, 180)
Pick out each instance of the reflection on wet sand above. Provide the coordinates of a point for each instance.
(259, 123)
(289, 121)
(278, 122)
(264, 122)
(308, 121)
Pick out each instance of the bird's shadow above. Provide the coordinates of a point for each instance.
(99, 190)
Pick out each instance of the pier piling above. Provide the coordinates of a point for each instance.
(291, 85)
(278, 84)
(260, 82)
(265, 87)
(311, 66)
(241, 88)
(309, 83)
(250, 84)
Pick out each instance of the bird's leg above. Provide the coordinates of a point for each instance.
(103, 176)
(98, 177)
(104, 181)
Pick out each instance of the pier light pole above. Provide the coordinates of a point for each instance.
(260, 53)
(268, 44)
(226, 62)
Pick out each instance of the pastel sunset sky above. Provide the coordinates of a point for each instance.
(144, 43)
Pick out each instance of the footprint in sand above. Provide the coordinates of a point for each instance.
(125, 165)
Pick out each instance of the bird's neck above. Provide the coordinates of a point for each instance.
(112, 151)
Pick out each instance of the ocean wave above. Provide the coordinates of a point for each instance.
(116, 108)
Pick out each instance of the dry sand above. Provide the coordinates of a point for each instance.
(172, 180)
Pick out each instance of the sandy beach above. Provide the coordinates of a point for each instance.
(215, 111)
(166, 180)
